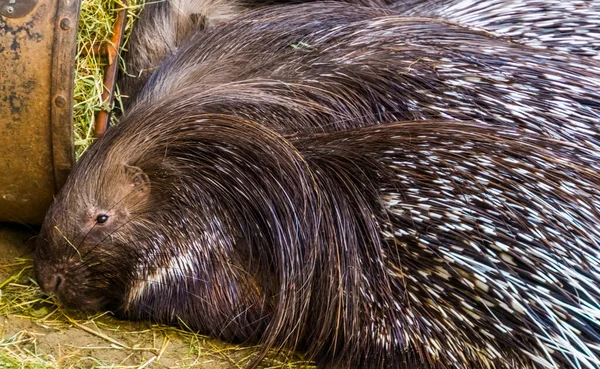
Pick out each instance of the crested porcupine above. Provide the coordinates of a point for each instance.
(405, 245)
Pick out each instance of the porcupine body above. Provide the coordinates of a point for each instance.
(193, 208)
(415, 245)
(410, 69)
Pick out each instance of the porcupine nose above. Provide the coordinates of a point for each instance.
(51, 283)
(55, 283)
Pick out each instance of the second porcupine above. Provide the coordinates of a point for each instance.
(164, 25)
(407, 68)
(160, 29)
(416, 245)
(565, 26)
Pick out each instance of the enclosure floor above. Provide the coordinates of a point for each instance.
(13, 241)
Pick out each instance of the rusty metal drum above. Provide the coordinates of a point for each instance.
(37, 53)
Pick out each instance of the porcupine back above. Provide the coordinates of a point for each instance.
(563, 26)
(489, 254)
(410, 68)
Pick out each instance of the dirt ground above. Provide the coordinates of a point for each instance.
(35, 333)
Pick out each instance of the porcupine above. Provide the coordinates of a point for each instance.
(567, 26)
(405, 245)
(269, 286)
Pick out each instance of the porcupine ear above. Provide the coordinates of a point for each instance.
(137, 179)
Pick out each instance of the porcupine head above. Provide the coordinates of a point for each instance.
(174, 225)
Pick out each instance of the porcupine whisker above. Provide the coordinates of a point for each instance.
(68, 241)
(83, 265)
(108, 236)
(91, 228)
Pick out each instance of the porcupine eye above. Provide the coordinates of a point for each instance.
(102, 218)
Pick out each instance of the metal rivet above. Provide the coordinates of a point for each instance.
(65, 23)
(60, 101)
(9, 9)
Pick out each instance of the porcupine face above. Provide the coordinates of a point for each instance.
(81, 254)
(186, 214)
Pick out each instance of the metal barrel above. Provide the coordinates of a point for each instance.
(38, 43)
